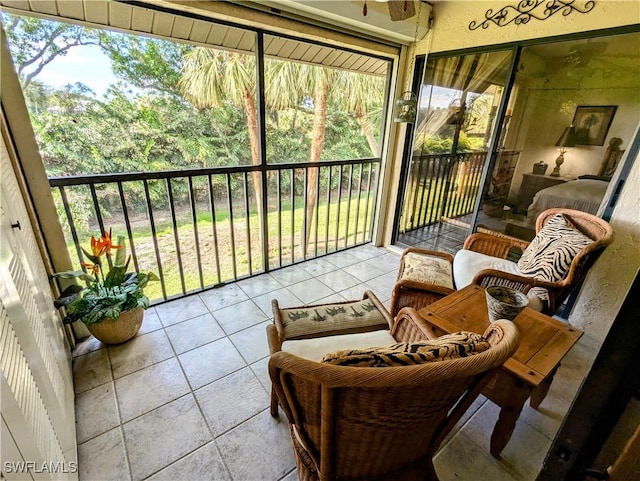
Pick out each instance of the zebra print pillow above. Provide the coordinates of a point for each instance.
(450, 346)
(549, 255)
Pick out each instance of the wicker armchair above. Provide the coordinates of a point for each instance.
(411, 292)
(594, 227)
(362, 423)
(500, 267)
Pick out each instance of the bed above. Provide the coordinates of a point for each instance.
(585, 193)
(581, 194)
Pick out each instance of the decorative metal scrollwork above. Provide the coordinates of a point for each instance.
(525, 10)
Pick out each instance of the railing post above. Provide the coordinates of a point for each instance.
(264, 227)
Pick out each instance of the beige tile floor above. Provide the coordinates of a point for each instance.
(187, 399)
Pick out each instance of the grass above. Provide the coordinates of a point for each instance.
(334, 227)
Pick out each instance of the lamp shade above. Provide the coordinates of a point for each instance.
(568, 137)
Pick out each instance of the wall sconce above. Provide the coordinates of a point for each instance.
(567, 139)
(405, 108)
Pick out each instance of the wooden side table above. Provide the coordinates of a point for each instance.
(544, 341)
(531, 184)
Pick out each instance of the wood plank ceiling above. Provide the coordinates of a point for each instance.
(123, 17)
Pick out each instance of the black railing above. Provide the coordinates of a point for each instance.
(201, 228)
(441, 185)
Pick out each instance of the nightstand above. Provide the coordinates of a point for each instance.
(532, 183)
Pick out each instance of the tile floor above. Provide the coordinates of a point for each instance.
(188, 398)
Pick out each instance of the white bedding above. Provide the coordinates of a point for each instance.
(582, 194)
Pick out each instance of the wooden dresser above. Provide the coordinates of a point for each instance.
(531, 184)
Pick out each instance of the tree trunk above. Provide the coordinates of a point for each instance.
(254, 141)
(368, 132)
(319, 123)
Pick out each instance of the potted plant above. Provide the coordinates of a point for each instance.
(112, 305)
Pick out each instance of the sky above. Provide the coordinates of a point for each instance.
(84, 63)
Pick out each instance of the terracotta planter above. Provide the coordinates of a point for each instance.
(117, 331)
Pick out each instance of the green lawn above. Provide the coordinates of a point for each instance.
(335, 229)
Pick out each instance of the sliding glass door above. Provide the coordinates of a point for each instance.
(566, 123)
(459, 100)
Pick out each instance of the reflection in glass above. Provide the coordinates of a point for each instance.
(458, 103)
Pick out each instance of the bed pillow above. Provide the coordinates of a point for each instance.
(549, 255)
(606, 178)
(450, 346)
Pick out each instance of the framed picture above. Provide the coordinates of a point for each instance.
(592, 123)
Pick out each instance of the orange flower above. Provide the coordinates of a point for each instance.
(94, 268)
(108, 243)
(98, 246)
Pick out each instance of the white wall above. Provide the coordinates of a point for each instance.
(452, 18)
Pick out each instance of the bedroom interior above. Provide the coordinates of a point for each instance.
(553, 84)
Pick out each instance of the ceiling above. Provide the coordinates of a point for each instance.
(124, 17)
(349, 14)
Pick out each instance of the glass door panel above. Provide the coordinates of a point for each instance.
(459, 98)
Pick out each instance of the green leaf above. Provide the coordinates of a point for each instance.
(92, 258)
(115, 277)
(74, 275)
(121, 254)
(68, 295)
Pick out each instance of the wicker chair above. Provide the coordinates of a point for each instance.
(363, 423)
(502, 271)
(413, 293)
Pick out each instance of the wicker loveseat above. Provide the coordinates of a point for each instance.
(382, 423)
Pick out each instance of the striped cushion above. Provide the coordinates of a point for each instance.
(450, 346)
(550, 254)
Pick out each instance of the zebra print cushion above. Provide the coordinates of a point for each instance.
(549, 255)
(450, 346)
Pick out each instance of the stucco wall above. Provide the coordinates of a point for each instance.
(452, 18)
(609, 279)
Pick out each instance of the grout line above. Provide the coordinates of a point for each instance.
(120, 426)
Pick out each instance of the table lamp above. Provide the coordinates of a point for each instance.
(567, 139)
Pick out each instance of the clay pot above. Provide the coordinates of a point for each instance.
(117, 331)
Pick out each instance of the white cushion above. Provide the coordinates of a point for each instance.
(466, 264)
(314, 349)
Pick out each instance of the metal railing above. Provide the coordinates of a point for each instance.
(205, 227)
(441, 185)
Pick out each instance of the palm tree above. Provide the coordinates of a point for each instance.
(320, 79)
(211, 77)
(363, 95)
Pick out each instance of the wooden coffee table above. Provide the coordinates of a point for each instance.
(544, 341)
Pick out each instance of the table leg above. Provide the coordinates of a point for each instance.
(509, 414)
(539, 393)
